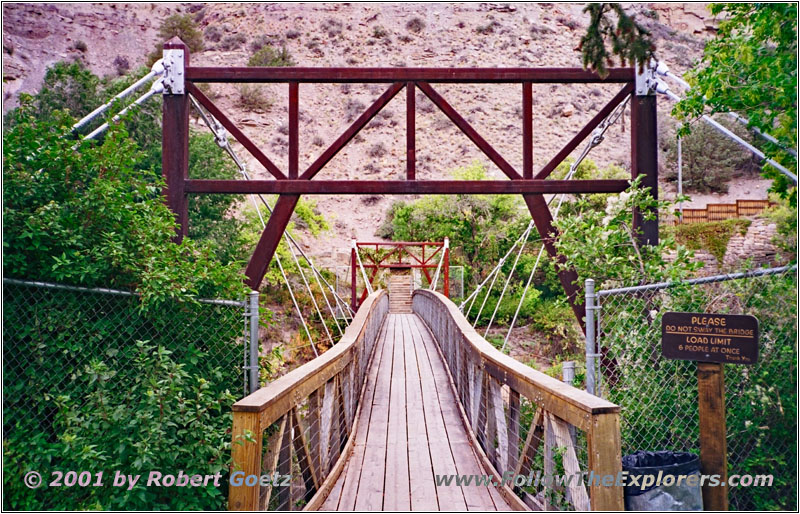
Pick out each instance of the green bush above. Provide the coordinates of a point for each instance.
(712, 236)
(182, 26)
(269, 56)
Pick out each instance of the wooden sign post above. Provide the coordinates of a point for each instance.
(712, 340)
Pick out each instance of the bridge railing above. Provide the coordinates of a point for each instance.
(527, 424)
(288, 436)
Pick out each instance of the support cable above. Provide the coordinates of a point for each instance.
(156, 71)
(363, 271)
(664, 89)
(508, 280)
(221, 138)
(439, 266)
(156, 88)
(662, 69)
(598, 136)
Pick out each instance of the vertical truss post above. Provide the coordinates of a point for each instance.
(446, 285)
(353, 278)
(527, 130)
(644, 148)
(411, 137)
(175, 127)
(294, 143)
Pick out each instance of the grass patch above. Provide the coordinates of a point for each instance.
(712, 236)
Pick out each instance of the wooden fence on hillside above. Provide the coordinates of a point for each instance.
(722, 211)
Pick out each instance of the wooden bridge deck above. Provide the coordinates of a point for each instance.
(409, 430)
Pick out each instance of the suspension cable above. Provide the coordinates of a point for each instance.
(221, 138)
(664, 89)
(361, 265)
(156, 88)
(155, 71)
(508, 280)
(439, 267)
(598, 136)
(663, 70)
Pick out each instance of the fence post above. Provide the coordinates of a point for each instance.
(591, 346)
(253, 342)
(605, 458)
(246, 456)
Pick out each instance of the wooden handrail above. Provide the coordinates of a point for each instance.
(478, 371)
(324, 392)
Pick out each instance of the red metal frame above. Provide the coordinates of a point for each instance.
(400, 250)
(294, 182)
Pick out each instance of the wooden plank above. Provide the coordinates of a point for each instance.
(576, 489)
(532, 442)
(491, 437)
(644, 162)
(502, 426)
(421, 481)
(326, 421)
(469, 458)
(513, 430)
(418, 187)
(310, 478)
(270, 464)
(377, 75)
(285, 468)
(713, 432)
(605, 458)
(175, 150)
(294, 140)
(527, 130)
(246, 456)
(332, 500)
(313, 417)
(442, 459)
(549, 465)
(396, 494)
(373, 471)
(411, 132)
(351, 478)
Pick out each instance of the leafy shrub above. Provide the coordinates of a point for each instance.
(252, 97)
(710, 160)
(379, 32)
(292, 34)
(121, 64)
(232, 41)
(268, 56)
(80, 46)
(182, 26)
(415, 25)
(712, 236)
(332, 27)
(91, 218)
(213, 34)
(488, 28)
(784, 215)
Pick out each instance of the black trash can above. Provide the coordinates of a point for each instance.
(667, 481)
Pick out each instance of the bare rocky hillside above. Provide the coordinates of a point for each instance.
(487, 35)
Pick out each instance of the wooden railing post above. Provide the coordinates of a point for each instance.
(246, 456)
(605, 458)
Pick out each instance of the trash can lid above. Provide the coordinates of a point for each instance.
(668, 462)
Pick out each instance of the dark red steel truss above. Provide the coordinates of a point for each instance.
(401, 255)
(293, 182)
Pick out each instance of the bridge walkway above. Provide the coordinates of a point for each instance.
(409, 431)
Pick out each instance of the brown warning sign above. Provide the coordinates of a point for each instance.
(725, 338)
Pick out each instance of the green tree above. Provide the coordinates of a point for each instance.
(629, 41)
(750, 67)
(481, 228)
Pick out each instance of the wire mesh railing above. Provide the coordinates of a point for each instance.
(658, 397)
(92, 382)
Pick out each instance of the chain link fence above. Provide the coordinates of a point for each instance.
(91, 380)
(658, 397)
